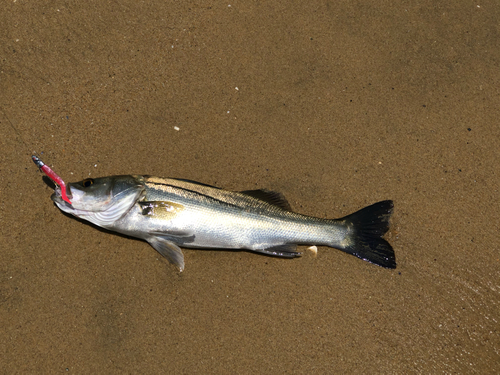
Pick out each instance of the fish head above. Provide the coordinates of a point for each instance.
(101, 201)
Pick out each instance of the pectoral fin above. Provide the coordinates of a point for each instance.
(169, 250)
(161, 209)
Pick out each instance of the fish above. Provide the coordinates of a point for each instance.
(172, 213)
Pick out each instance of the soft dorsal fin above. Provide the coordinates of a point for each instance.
(268, 196)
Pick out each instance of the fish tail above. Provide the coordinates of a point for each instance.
(365, 230)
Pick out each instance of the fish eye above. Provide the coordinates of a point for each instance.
(87, 182)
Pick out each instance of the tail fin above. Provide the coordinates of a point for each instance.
(367, 226)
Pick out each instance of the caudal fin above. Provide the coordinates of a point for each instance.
(368, 225)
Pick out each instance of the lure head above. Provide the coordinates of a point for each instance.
(102, 201)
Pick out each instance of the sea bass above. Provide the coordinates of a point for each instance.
(172, 213)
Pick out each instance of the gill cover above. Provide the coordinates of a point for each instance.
(102, 201)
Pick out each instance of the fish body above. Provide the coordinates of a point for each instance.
(171, 213)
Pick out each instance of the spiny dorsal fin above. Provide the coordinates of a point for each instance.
(268, 196)
(197, 183)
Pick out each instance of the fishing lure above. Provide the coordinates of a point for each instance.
(53, 176)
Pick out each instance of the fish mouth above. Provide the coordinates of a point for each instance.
(61, 203)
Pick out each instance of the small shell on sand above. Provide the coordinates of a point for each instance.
(314, 250)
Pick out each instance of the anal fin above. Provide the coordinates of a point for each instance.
(283, 251)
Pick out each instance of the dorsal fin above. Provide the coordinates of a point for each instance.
(272, 197)
(197, 183)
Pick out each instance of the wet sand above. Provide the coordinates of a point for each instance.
(336, 105)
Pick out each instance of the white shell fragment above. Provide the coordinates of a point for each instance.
(314, 250)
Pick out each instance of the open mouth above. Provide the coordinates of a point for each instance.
(59, 200)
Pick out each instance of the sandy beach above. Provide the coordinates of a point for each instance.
(337, 105)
